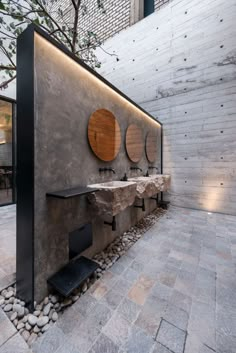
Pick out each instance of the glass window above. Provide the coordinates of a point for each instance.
(148, 7)
(6, 152)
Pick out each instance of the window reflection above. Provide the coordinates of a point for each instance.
(6, 148)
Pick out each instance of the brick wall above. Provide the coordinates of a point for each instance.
(105, 25)
(116, 18)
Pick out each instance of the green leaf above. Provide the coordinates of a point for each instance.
(2, 6)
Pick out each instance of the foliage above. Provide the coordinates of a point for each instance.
(51, 16)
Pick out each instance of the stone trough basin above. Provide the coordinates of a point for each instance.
(112, 197)
(150, 186)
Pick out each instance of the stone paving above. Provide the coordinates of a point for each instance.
(173, 292)
(7, 245)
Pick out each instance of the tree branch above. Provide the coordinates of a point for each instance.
(6, 83)
(5, 67)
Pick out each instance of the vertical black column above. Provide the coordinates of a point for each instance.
(25, 168)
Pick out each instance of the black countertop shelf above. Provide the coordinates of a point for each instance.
(73, 192)
(72, 275)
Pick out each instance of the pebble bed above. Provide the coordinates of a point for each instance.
(33, 325)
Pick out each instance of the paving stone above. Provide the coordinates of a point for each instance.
(202, 322)
(85, 304)
(171, 337)
(50, 341)
(159, 348)
(149, 319)
(98, 290)
(137, 266)
(117, 268)
(138, 341)
(100, 315)
(70, 319)
(225, 343)
(162, 291)
(176, 316)
(112, 299)
(122, 286)
(129, 310)
(140, 290)
(130, 275)
(83, 338)
(7, 329)
(15, 344)
(67, 347)
(117, 329)
(181, 300)
(104, 345)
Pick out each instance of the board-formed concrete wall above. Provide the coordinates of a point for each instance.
(179, 64)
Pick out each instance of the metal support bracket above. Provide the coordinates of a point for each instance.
(141, 206)
(112, 224)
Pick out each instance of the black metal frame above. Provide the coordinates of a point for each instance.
(13, 103)
(25, 154)
(25, 168)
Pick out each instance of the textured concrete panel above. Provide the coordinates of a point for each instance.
(179, 64)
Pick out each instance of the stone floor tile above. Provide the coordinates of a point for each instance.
(130, 275)
(7, 329)
(202, 322)
(85, 304)
(168, 276)
(67, 347)
(50, 341)
(15, 344)
(112, 299)
(148, 321)
(159, 348)
(83, 338)
(122, 286)
(171, 337)
(138, 341)
(225, 343)
(98, 290)
(140, 290)
(117, 268)
(162, 291)
(181, 300)
(137, 266)
(70, 318)
(176, 317)
(117, 329)
(129, 310)
(125, 260)
(104, 345)
(109, 278)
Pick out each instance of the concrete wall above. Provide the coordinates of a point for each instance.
(65, 97)
(179, 64)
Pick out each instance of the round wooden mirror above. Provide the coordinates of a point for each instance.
(151, 146)
(104, 135)
(134, 143)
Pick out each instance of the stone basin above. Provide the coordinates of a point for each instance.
(150, 186)
(112, 197)
(162, 181)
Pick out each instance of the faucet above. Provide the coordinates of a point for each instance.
(136, 168)
(124, 178)
(106, 170)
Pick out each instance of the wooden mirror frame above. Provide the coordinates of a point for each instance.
(134, 143)
(151, 146)
(104, 135)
